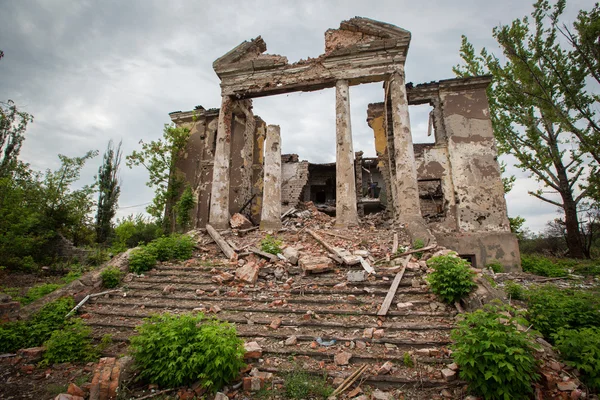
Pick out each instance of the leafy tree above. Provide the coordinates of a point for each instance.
(108, 191)
(159, 158)
(540, 106)
(13, 124)
(184, 207)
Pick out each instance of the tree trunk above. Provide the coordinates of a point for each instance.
(572, 225)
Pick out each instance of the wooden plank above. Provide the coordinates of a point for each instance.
(433, 246)
(395, 244)
(268, 256)
(391, 294)
(343, 254)
(366, 266)
(225, 248)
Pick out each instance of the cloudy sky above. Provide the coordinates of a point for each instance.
(90, 71)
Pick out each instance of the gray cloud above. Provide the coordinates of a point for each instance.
(92, 71)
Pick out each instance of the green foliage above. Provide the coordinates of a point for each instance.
(111, 276)
(418, 244)
(175, 350)
(516, 226)
(495, 358)
(543, 266)
(108, 191)
(581, 349)
(514, 290)
(408, 360)
(71, 343)
(13, 124)
(172, 247)
(551, 308)
(96, 257)
(37, 292)
(141, 260)
(36, 330)
(540, 101)
(134, 231)
(71, 276)
(271, 245)
(184, 207)
(452, 278)
(300, 385)
(159, 158)
(495, 266)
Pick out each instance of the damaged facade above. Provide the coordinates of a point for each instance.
(449, 192)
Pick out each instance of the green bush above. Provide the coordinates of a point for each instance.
(71, 276)
(96, 257)
(134, 231)
(175, 350)
(71, 343)
(111, 276)
(551, 308)
(300, 385)
(539, 265)
(495, 266)
(36, 330)
(495, 358)
(271, 245)
(581, 349)
(141, 260)
(37, 292)
(452, 278)
(514, 290)
(173, 247)
(418, 244)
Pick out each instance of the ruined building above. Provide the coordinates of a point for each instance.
(449, 191)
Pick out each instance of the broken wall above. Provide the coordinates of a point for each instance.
(294, 177)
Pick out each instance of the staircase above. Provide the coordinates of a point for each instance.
(308, 307)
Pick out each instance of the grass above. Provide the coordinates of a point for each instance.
(299, 384)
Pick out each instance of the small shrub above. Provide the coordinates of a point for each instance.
(452, 278)
(495, 358)
(134, 231)
(514, 290)
(96, 257)
(418, 244)
(184, 206)
(551, 308)
(141, 260)
(71, 343)
(271, 245)
(581, 349)
(37, 292)
(542, 266)
(495, 266)
(408, 360)
(13, 336)
(71, 276)
(175, 350)
(111, 276)
(173, 247)
(300, 385)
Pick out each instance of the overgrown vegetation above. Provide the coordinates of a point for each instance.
(108, 191)
(184, 208)
(495, 266)
(452, 278)
(551, 309)
(495, 357)
(134, 231)
(581, 349)
(174, 350)
(36, 330)
(71, 343)
(408, 360)
(172, 247)
(300, 385)
(37, 292)
(111, 276)
(543, 266)
(418, 244)
(271, 245)
(514, 290)
(141, 260)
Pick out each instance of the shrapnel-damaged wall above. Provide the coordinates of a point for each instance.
(459, 174)
(195, 165)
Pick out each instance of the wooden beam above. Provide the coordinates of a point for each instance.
(223, 245)
(268, 256)
(395, 244)
(391, 294)
(433, 246)
(346, 257)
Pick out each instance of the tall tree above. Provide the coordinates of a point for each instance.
(13, 124)
(159, 158)
(108, 191)
(541, 110)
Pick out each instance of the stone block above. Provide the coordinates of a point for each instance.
(253, 350)
(356, 276)
(342, 358)
(291, 254)
(239, 221)
(248, 273)
(448, 374)
(315, 264)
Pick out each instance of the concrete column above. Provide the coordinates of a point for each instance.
(345, 204)
(219, 197)
(271, 206)
(407, 188)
